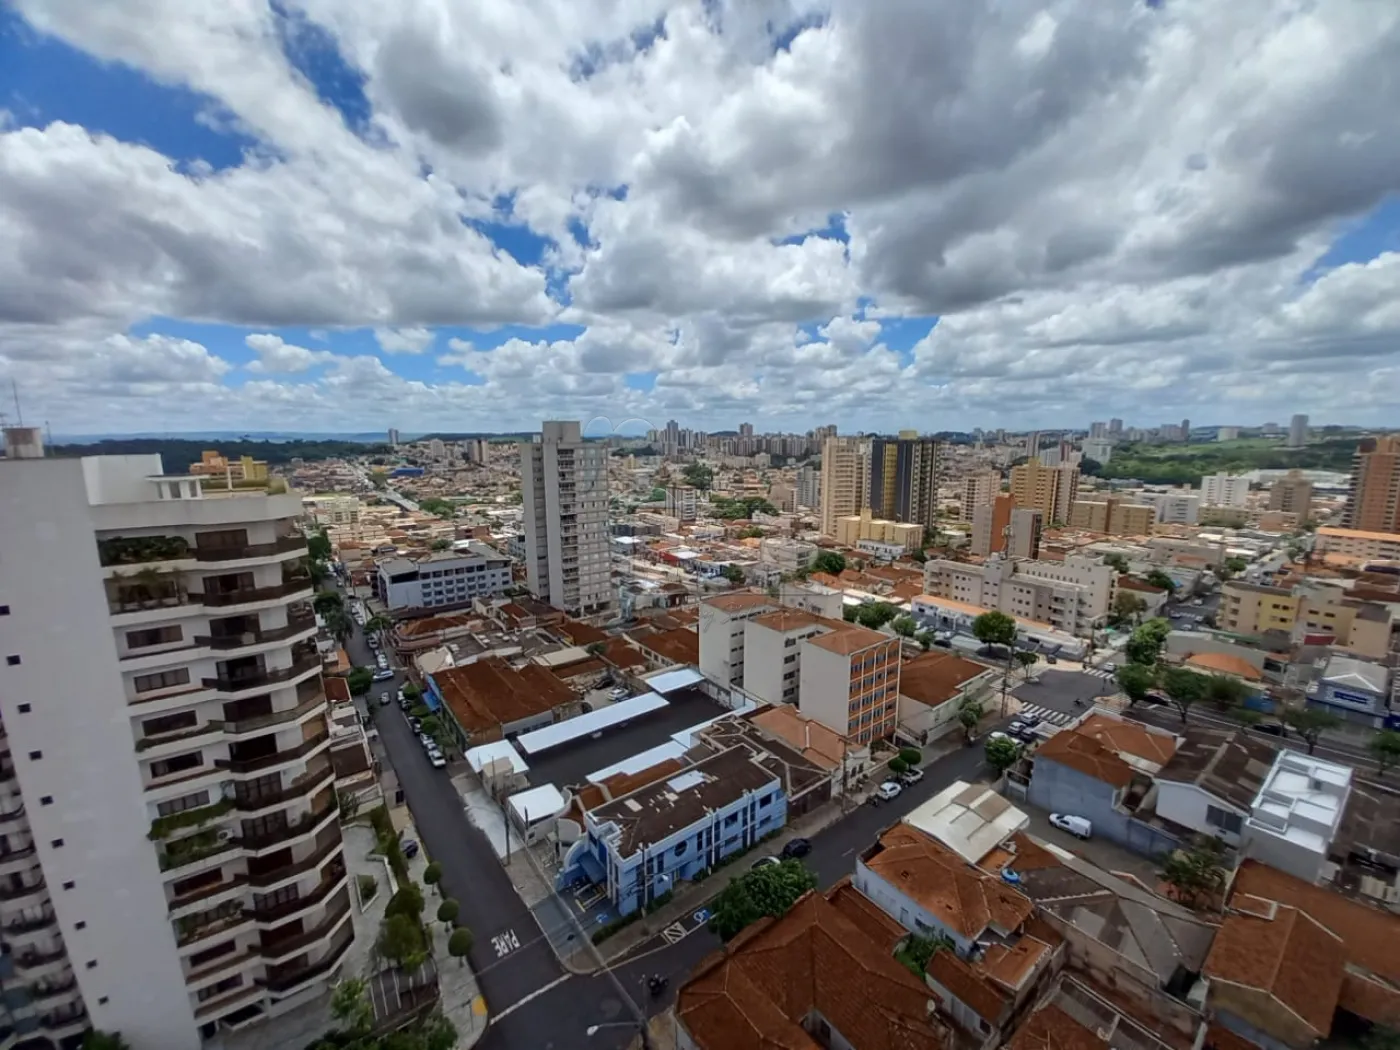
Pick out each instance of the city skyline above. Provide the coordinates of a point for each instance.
(686, 210)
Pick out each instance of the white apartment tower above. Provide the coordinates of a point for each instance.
(1224, 490)
(172, 857)
(1298, 431)
(564, 480)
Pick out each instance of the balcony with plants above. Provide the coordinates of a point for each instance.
(167, 827)
(191, 929)
(192, 849)
(147, 589)
(140, 550)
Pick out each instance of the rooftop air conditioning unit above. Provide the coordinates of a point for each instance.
(224, 835)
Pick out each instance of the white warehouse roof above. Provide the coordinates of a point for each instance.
(537, 804)
(585, 725)
(670, 681)
(481, 757)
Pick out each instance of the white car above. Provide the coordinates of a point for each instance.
(383, 699)
(1079, 827)
(382, 675)
(436, 760)
(889, 789)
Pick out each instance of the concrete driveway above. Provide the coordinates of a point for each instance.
(1108, 855)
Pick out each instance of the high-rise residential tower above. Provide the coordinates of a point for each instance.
(1373, 503)
(845, 473)
(903, 482)
(1050, 490)
(1298, 431)
(173, 860)
(564, 482)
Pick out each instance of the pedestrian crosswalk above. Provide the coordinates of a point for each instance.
(1098, 672)
(1047, 714)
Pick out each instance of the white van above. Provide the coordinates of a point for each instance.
(1079, 827)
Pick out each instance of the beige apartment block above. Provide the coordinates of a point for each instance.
(1050, 490)
(722, 620)
(1113, 516)
(1251, 608)
(1074, 595)
(773, 651)
(1373, 504)
(845, 473)
(1023, 535)
(852, 529)
(1361, 544)
(1292, 493)
(990, 522)
(977, 490)
(682, 502)
(848, 680)
(1326, 608)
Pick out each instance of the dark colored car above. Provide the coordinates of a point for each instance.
(1272, 728)
(797, 848)
(409, 849)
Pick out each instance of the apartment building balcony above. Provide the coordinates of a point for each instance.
(16, 861)
(240, 998)
(278, 947)
(266, 762)
(44, 996)
(188, 856)
(318, 774)
(277, 871)
(309, 823)
(227, 920)
(65, 1022)
(215, 893)
(290, 978)
(19, 894)
(250, 636)
(242, 680)
(285, 545)
(22, 924)
(259, 718)
(162, 744)
(252, 596)
(11, 818)
(118, 552)
(33, 964)
(222, 967)
(334, 879)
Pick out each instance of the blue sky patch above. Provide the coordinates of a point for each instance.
(312, 51)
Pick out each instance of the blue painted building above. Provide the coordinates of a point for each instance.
(639, 846)
(1356, 690)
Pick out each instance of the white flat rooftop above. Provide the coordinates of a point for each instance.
(537, 804)
(652, 756)
(593, 722)
(480, 757)
(670, 681)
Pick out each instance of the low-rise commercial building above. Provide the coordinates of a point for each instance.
(1172, 508)
(1074, 595)
(1252, 608)
(442, 580)
(932, 688)
(1112, 516)
(1358, 544)
(851, 530)
(489, 699)
(1357, 690)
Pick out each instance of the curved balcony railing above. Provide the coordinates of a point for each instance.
(285, 545)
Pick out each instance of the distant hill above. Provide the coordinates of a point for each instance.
(177, 453)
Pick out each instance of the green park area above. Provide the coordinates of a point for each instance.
(1185, 464)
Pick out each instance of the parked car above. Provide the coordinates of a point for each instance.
(1271, 728)
(409, 848)
(1111, 668)
(1197, 601)
(1051, 660)
(436, 760)
(426, 741)
(911, 776)
(415, 725)
(999, 735)
(382, 675)
(797, 848)
(620, 693)
(1029, 720)
(373, 641)
(764, 862)
(889, 789)
(1079, 827)
(383, 699)
(1018, 727)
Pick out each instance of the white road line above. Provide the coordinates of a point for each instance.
(533, 995)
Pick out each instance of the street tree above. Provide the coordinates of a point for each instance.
(432, 876)
(1183, 688)
(925, 640)
(769, 890)
(1118, 561)
(460, 944)
(1127, 607)
(996, 628)
(359, 680)
(1385, 749)
(904, 626)
(1310, 723)
(1002, 753)
(447, 912)
(408, 901)
(1145, 644)
(378, 622)
(1197, 873)
(95, 1040)
(1225, 692)
(325, 601)
(1025, 661)
(351, 1008)
(401, 941)
(1159, 579)
(1136, 681)
(733, 574)
(876, 614)
(318, 546)
(830, 562)
(970, 713)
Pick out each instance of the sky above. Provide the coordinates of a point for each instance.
(336, 215)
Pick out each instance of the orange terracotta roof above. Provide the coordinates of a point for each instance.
(1086, 755)
(1368, 997)
(739, 601)
(967, 985)
(1218, 1037)
(579, 633)
(825, 579)
(865, 914)
(966, 899)
(622, 656)
(620, 784)
(679, 646)
(1225, 663)
(934, 678)
(851, 640)
(1291, 957)
(434, 624)
(1050, 1028)
(1009, 966)
(1370, 934)
(784, 620)
(490, 693)
(817, 741)
(755, 994)
(1129, 737)
(1132, 583)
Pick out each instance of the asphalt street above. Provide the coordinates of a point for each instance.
(510, 955)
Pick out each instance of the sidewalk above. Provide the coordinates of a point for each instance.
(460, 998)
(690, 896)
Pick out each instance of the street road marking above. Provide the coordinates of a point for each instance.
(673, 933)
(505, 943)
(701, 917)
(533, 995)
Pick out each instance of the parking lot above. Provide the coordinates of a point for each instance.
(1108, 855)
(570, 764)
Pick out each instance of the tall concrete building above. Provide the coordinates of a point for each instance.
(1098, 430)
(903, 482)
(393, 437)
(990, 522)
(978, 489)
(845, 473)
(564, 480)
(809, 487)
(1373, 502)
(1115, 428)
(1292, 493)
(1023, 535)
(1050, 490)
(1298, 431)
(173, 862)
(1113, 516)
(1224, 490)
